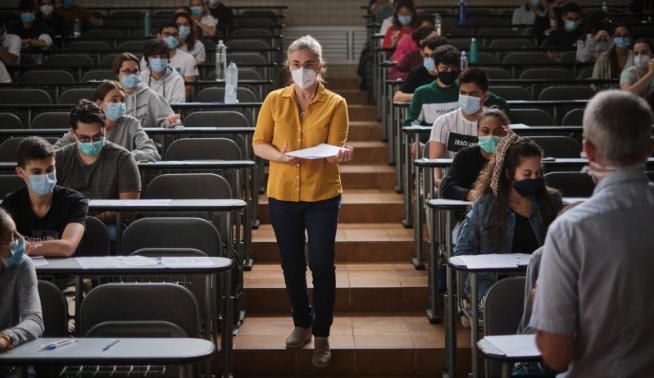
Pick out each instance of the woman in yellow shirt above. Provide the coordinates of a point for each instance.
(305, 194)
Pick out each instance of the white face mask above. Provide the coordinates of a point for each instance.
(304, 78)
(641, 61)
(46, 10)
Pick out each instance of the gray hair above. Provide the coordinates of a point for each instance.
(306, 42)
(619, 125)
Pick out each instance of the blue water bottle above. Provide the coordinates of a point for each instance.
(463, 13)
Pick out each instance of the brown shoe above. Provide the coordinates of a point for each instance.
(321, 352)
(298, 338)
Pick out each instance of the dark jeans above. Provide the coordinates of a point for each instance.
(319, 219)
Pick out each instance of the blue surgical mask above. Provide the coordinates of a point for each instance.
(68, 3)
(115, 110)
(130, 81)
(197, 10)
(16, 253)
(42, 184)
(158, 65)
(404, 20)
(428, 63)
(571, 25)
(469, 104)
(171, 42)
(184, 31)
(27, 17)
(622, 42)
(489, 143)
(92, 149)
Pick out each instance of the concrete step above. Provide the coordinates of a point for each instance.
(369, 152)
(367, 177)
(354, 96)
(363, 113)
(365, 131)
(336, 84)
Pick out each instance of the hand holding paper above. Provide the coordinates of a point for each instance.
(322, 151)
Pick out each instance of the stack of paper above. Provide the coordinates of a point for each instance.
(187, 262)
(39, 261)
(515, 346)
(492, 261)
(114, 262)
(320, 151)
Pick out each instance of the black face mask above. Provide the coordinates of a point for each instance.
(530, 188)
(447, 77)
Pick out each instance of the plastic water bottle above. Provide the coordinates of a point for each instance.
(474, 51)
(438, 24)
(463, 13)
(464, 61)
(147, 24)
(77, 29)
(605, 6)
(231, 83)
(221, 60)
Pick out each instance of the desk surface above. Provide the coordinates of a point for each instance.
(167, 205)
(510, 348)
(172, 164)
(449, 204)
(71, 265)
(548, 162)
(149, 130)
(128, 351)
(490, 262)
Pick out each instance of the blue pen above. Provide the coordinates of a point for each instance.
(57, 344)
(110, 345)
(159, 260)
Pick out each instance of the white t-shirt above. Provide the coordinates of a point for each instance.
(184, 63)
(4, 75)
(198, 52)
(454, 131)
(13, 44)
(386, 24)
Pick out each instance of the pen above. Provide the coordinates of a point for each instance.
(159, 260)
(106, 348)
(57, 344)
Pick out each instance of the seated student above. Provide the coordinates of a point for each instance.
(21, 318)
(204, 22)
(71, 11)
(423, 74)
(159, 75)
(409, 43)
(597, 40)
(458, 183)
(121, 129)
(612, 63)
(144, 104)
(407, 54)
(188, 38)
(180, 60)
(32, 31)
(404, 23)
(513, 209)
(47, 15)
(52, 216)
(639, 78)
(570, 33)
(10, 46)
(92, 165)
(527, 13)
(549, 20)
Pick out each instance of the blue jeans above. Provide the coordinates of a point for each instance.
(319, 219)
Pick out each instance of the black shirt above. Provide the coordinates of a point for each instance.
(68, 206)
(416, 78)
(34, 32)
(563, 38)
(524, 239)
(55, 24)
(463, 173)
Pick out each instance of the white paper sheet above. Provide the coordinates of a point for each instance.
(114, 262)
(493, 261)
(186, 262)
(320, 151)
(518, 126)
(39, 261)
(515, 345)
(141, 202)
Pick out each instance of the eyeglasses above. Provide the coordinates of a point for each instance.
(89, 139)
(129, 72)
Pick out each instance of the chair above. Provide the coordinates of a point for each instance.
(103, 34)
(156, 252)
(203, 149)
(553, 73)
(55, 310)
(573, 117)
(511, 43)
(531, 117)
(15, 96)
(51, 120)
(585, 73)
(249, 44)
(532, 57)
(68, 60)
(126, 14)
(145, 328)
(566, 92)
(258, 14)
(558, 146)
(73, 95)
(188, 186)
(132, 45)
(571, 184)
(108, 61)
(247, 58)
(98, 75)
(48, 77)
(9, 146)
(568, 57)
(216, 118)
(10, 121)
(511, 92)
(486, 58)
(459, 43)
(243, 74)
(88, 46)
(251, 32)
(9, 184)
(256, 22)
(96, 240)
(217, 94)
(495, 73)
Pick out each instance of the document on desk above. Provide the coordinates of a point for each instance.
(518, 126)
(140, 202)
(114, 262)
(515, 345)
(320, 151)
(187, 262)
(493, 261)
(39, 261)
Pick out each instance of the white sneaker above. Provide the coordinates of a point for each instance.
(298, 337)
(322, 355)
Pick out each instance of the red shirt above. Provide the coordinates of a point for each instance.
(403, 31)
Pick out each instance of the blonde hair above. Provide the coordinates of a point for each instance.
(306, 42)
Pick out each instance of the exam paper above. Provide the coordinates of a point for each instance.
(493, 261)
(140, 202)
(187, 262)
(114, 262)
(515, 345)
(39, 261)
(320, 151)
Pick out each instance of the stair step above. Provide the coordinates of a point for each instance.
(359, 206)
(369, 152)
(362, 112)
(354, 96)
(359, 288)
(402, 344)
(367, 177)
(337, 84)
(365, 131)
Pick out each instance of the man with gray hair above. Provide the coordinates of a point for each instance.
(591, 310)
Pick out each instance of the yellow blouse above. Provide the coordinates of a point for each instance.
(325, 121)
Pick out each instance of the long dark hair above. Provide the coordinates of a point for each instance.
(613, 53)
(405, 4)
(190, 40)
(510, 158)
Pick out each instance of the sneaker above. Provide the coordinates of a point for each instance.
(321, 352)
(298, 338)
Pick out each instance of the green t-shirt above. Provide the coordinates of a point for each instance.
(631, 75)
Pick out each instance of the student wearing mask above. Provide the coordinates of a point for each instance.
(589, 311)
(159, 75)
(70, 11)
(527, 13)
(408, 55)
(612, 63)
(10, 46)
(54, 20)
(45, 213)
(188, 38)
(120, 129)
(405, 23)
(639, 78)
(180, 60)
(144, 104)
(203, 21)
(21, 318)
(32, 31)
(597, 40)
(305, 195)
(458, 183)
(570, 33)
(422, 74)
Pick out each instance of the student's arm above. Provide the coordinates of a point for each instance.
(178, 91)
(453, 184)
(415, 107)
(7, 57)
(202, 54)
(129, 178)
(144, 147)
(557, 350)
(64, 247)
(161, 110)
(30, 326)
(637, 87)
(468, 239)
(400, 96)
(437, 150)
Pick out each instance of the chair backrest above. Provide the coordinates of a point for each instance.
(188, 186)
(88, 46)
(55, 310)
(496, 73)
(214, 94)
(66, 60)
(511, 92)
(98, 75)
(554, 73)
(243, 74)
(216, 119)
(9, 184)
(203, 149)
(573, 117)
(141, 302)
(558, 146)
(486, 58)
(504, 305)
(245, 58)
(585, 73)
(9, 147)
(51, 120)
(172, 252)
(147, 328)
(566, 92)
(256, 22)
(107, 60)
(236, 44)
(173, 232)
(14, 96)
(132, 45)
(568, 57)
(47, 77)
(10, 121)
(96, 240)
(531, 117)
(531, 57)
(73, 95)
(251, 32)
(103, 33)
(511, 43)
(571, 184)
